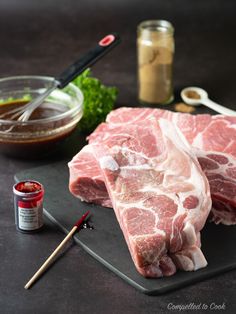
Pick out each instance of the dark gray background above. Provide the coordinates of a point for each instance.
(42, 37)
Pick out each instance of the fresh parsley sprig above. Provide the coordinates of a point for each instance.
(98, 100)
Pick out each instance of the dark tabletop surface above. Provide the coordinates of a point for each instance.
(42, 37)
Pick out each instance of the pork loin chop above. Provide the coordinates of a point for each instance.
(160, 196)
(213, 139)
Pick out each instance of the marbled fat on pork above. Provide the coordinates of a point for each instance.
(209, 136)
(160, 196)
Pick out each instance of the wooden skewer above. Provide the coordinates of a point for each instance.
(60, 246)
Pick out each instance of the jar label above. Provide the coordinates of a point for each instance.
(29, 218)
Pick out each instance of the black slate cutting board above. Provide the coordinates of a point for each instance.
(106, 242)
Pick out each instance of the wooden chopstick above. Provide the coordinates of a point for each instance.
(60, 246)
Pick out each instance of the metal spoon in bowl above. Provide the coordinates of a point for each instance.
(103, 46)
(196, 96)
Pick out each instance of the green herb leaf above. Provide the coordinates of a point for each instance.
(98, 100)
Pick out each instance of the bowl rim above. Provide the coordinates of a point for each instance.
(60, 116)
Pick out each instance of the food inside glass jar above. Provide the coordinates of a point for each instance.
(155, 46)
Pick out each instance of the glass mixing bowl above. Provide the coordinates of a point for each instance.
(51, 123)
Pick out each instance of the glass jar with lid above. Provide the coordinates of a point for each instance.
(155, 47)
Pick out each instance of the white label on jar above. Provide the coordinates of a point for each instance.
(29, 218)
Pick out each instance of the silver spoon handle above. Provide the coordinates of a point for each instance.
(218, 108)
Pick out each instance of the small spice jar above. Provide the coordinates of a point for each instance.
(28, 203)
(155, 47)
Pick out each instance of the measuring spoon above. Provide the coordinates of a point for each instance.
(203, 99)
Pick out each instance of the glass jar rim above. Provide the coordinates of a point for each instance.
(156, 26)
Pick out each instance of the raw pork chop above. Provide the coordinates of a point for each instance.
(160, 196)
(86, 181)
(214, 139)
(220, 170)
